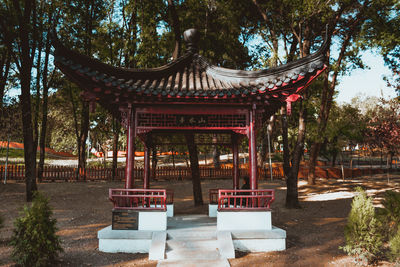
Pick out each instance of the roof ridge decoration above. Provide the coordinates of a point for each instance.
(188, 79)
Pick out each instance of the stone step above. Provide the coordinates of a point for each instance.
(225, 245)
(191, 244)
(193, 254)
(194, 263)
(191, 235)
(157, 247)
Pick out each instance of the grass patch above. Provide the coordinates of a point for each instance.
(12, 153)
(18, 154)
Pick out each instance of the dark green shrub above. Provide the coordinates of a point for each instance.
(363, 239)
(394, 246)
(34, 239)
(390, 213)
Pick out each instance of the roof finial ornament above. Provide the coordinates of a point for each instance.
(191, 37)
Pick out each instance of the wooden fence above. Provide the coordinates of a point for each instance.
(63, 173)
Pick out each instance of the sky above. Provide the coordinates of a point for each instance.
(367, 82)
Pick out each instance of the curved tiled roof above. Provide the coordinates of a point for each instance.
(190, 78)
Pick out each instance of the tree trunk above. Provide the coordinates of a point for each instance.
(264, 146)
(176, 26)
(29, 148)
(116, 130)
(6, 63)
(329, 90)
(292, 200)
(38, 79)
(26, 62)
(82, 140)
(173, 158)
(154, 160)
(194, 167)
(43, 130)
(334, 156)
(314, 151)
(389, 159)
(291, 173)
(285, 141)
(216, 153)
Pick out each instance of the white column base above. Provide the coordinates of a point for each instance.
(170, 210)
(243, 220)
(152, 221)
(212, 210)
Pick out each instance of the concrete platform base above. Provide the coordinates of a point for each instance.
(128, 241)
(191, 240)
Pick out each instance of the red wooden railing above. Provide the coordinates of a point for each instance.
(141, 199)
(56, 173)
(237, 200)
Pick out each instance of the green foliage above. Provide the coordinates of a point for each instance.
(394, 245)
(363, 239)
(383, 127)
(390, 214)
(12, 153)
(34, 239)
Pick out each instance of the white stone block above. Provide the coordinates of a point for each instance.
(225, 244)
(170, 210)
(124, 245)
(152, 221)
(243, 220)
(260, 245)
(212, 210)
(157, 248)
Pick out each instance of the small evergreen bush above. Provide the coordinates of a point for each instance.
(34, 239)
(363, 239)
(390, 213)
(394, 246)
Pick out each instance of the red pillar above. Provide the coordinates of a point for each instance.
(235, 152)
(146, 168)
(252, 150)
(130, 150)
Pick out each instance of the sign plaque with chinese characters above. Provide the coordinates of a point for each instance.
(125, 220)
(192, 120)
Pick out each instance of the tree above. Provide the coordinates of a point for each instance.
(363, 240)
(19, 27)
(34, 239)
(47, 75)
(82, 19)
(346, 126)
(382, 31)
(383, 128)
(301, 24)
(345, 26)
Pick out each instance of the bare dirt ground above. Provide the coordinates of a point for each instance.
(314, 232)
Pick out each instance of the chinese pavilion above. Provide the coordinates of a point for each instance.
(189, 94)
